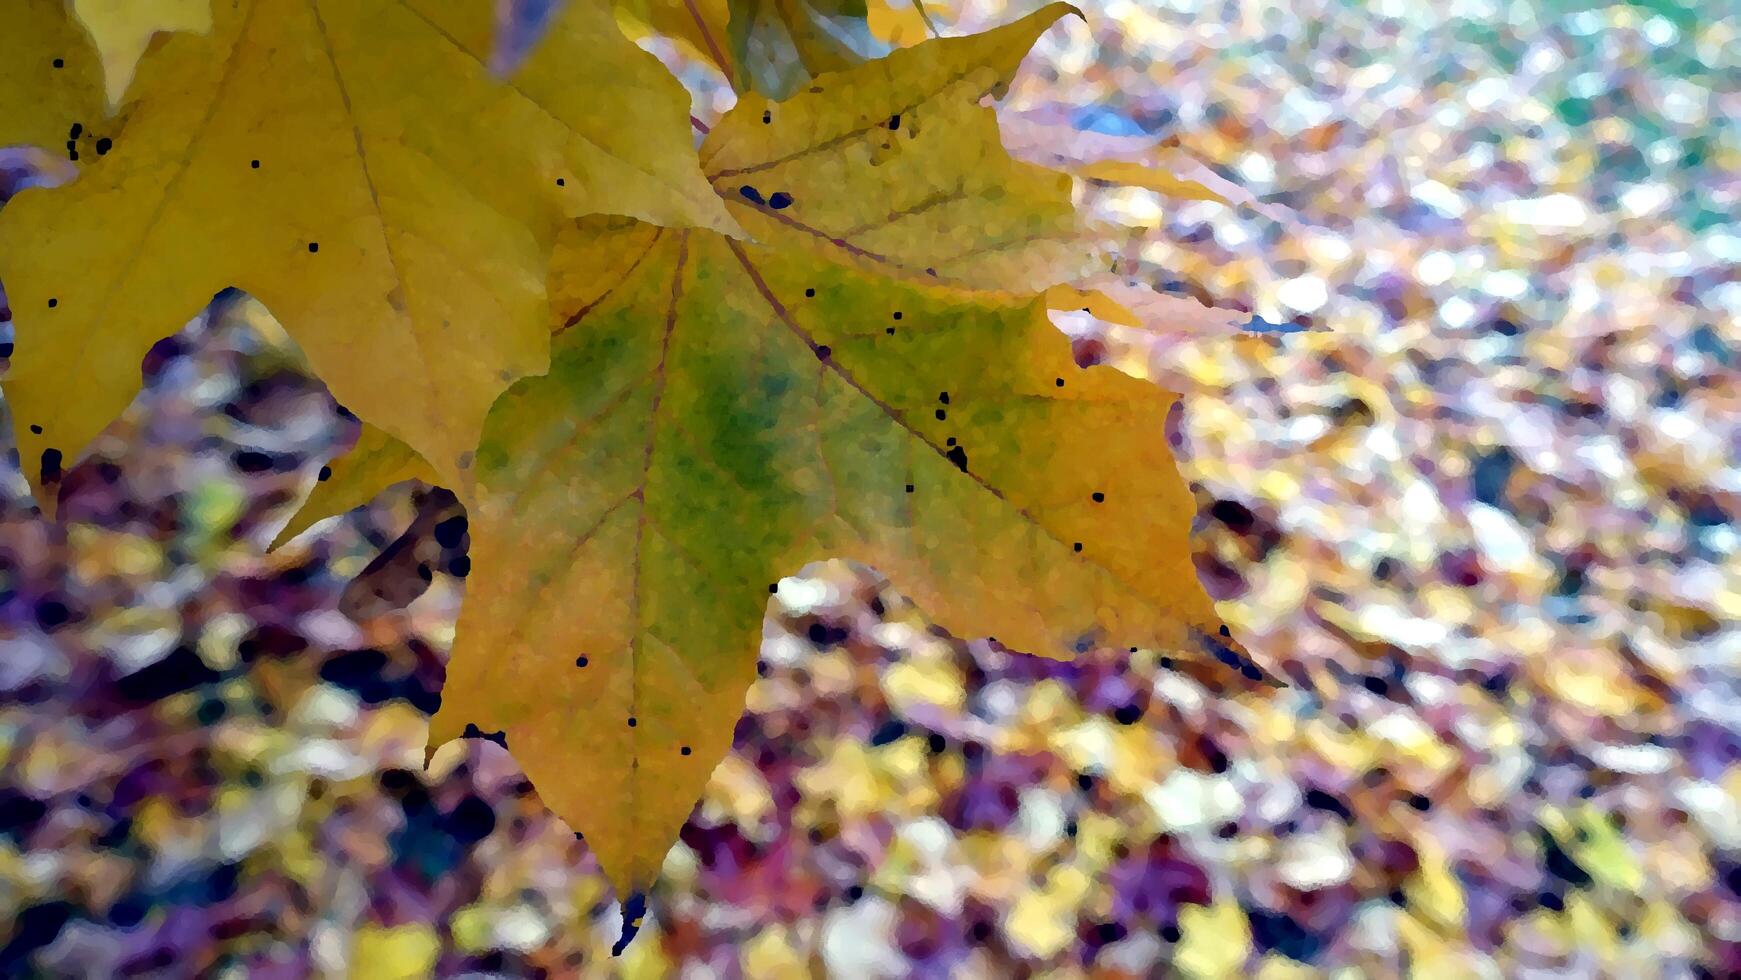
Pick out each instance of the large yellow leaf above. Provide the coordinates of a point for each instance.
(353, 165)
(121, 30)
(719, 414)
(894, 168)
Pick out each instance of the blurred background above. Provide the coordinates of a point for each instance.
(1470, 481)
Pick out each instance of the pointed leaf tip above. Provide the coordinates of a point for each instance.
(634, 910)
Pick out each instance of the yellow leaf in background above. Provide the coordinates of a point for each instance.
(1156, 178)
(702, 25)
(777, 45)
(1160, 316)
(1214, 941)
(355, 167)
(397, 953)
(718, 415)
(121, 30)
(901, 23)
(1434, 893)
(1046, 135)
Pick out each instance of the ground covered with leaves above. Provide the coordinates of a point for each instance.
(1477, 504)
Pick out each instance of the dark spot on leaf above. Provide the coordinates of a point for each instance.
(50, 465)
(751, 195)
(767, 117)
(897, 314)
(36, 429)
(561, 182)
(52, 302)
(77, 130)
(941, 415)
(631, 721)
(909, 488)
(890, 331)
(60, 62)
(822, 352)
(580, 661)
(255, 164)
(103, 145)
(1076, 547)
(325, 474)
(895, 121)
(943, 396)
(1059, 382)
(809, 292)
(314, 246)
(1226, 632)
(779, 200)
(1099, 497)
(958, 456)
(684, 750)
(931, 272)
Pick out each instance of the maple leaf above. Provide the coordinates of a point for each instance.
(355, 167)
(935, 201)
(122, 29)
(718, 414)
